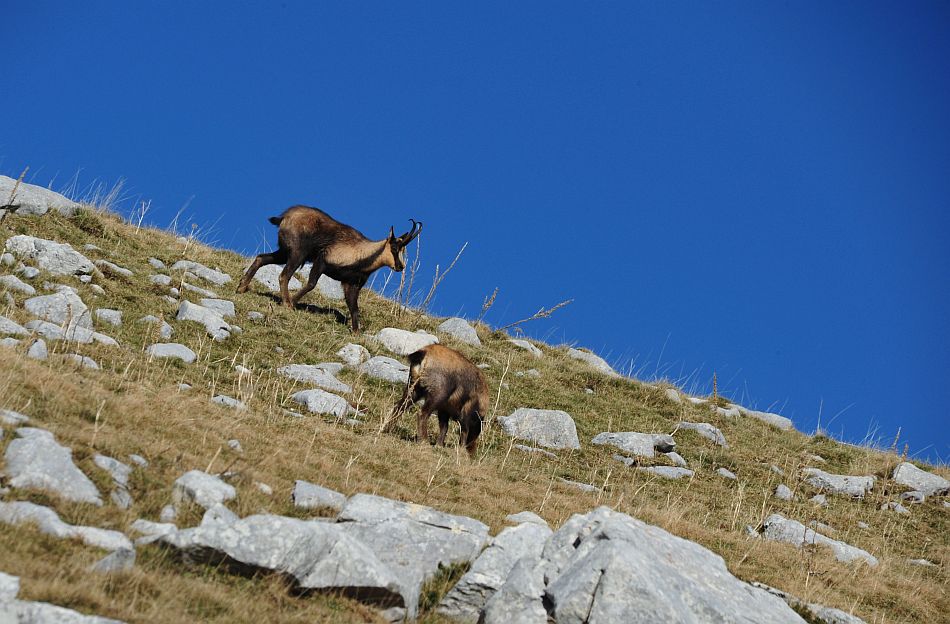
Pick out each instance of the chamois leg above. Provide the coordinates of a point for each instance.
(293, 263)
(351, 292)
(422, 421)
(315, 272)
(443, 428)
(470, 428)
(275, 257)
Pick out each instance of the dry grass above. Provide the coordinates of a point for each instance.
(133, 406)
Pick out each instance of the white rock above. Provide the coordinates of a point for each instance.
(673, 395)
(171, 350)
(122, 560)
(235, 445)
(527, 346)
(204, 292)
(402, 342)
(677, 459)
(49, 523)
(227, 401)
(36, 461)
(64, 308)
(30, 199)
(38, 350)
(9, 327)
(726, 474)
(269, 276)
(218, 515)
(707, 431)
(12, 282)
(385, 368)
(635, 443)
(114, 268)
(28, 272)
(255, 315)
(165, 330)
(222, 306)
(7, 259)
(525, 516)
(156, 264)
(779, 528)
(315, 375)
(161, 280)
(595, 361)
(532, 449)
(353, 354)
(311, 496)
(584, 487)
(322, 402)
(461, 330)
(168, 513)
(113, 317)
(213, 322)
(549, 428)
(773, 419)
(896, 507)
(202, 489)
(139, 460)
(783, 493)
(920, 480)
(9, 588)
(82, 361)
(75, 334)
(667, 472)
(9, 343)
(845, 485)
(819, 499)
(211, 275)
(13, 419)
(56, 258)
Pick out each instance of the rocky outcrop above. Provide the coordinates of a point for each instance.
(919, 480)
(549, 428)
(461, 330)
(30, 199)
(844, 485)
(780, 529)
(385, 368)
(402, 342)
(639, 444)
(213, 322)
(595, 361)
(50, 256)
(706, 430)
(36, 461)
(48, 522)
(316, 375)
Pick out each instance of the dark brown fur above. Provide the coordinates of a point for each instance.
(452, 387)
(308, 234)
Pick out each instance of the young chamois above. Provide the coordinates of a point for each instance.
(306, 234)
(452, 387)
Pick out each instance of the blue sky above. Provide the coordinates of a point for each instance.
(758, 189)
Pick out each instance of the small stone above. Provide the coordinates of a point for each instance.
(264, 488)
(402, 342)
(12, 282)
(315, 375)
(527, 346)
(38, 350)
(222, 306)
(97, 289)
(13, 419)
(202, 489)
(161, 280)
(235, 445)
(913, 497)
(896, 507)
(165, 330)
(781, 529)
(214, 323)
(9, 327)
(9, 588)
(549, 428)
(673, 395)
(706, 430)
(121, 560)
(385, 368)
(322, 402)
(183, 387)
(7, 259)
(211, 275)
(85, 279)
(114, 268)
(461, 330)
(923, 563)
(171, 350)
(29, 272)
(635, 443)
(819, 499)
(56, 258)
(777, 470)
(921, 481)
(531, 449)
(139, 460)
(667, 472)
(156, 264)
(168, 514)
(227, 401)
(846, 485)
(255, 315)
(584, 487)
(863, 525)
(677, 459)
(726, 474)
(751, 532)
(783, 493)
(595, 361)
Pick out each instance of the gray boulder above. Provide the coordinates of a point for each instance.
(312, 496)
(222, 306)
(920, 480)
(819, 614)
(171, 350)
(783, 493)
(396, 531)
(9, 327)
(639, 444)
(549, 428)
(33, 200)
(161, 280)
(122, 560)
(780, 529)
(213, 322)
(156, 264)
(726, 474)
(461, 330)
(64, 308)
(211, 275)
(269, 276)
(353, 354)
(202, 489)
(36, 461)
(605, 566)
(12, 282)
(707, 431)
(844, 485)
(322, 402)
(465, 601)
(673, 395)
(595, 361)
(773, 419)
(165, 330)
(228, 401)
(38, 350)
(9, 587)
(385, 368)
(112, 317)
(666, 472)
(527, 346)
(316, 375)
(48, 522)
(402, 342)
(56, 258)
(525, 516)
(81, 335)
(120, 475)
(12, 419)
(317, 556)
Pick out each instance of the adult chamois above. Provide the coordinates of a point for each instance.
(452, 387)
(306, 234)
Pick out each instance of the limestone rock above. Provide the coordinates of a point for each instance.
(227, 401)
(527, 346)
(549, 428)
(781, 529)
(845, 485)
(113, 268)
(385, 368)
(531, 449)
(666, 472)
(38, 351)
(322, 402)
(171, 350)
(269, 276)
(213, 322)
(783, 493)
(726, 474)
(584, 487)
(56, 258)
(12, 419)
(222, 306)
(34, 200)
(81, 335)
(773, 419)
(920, 480)
(595, 361)
(49, 523)
(161, 280)
(461, 330)
(121, 560)
(673, 395)
(525, 516)
(211, 275)
(165, 330)
(315, 375)
(467, 598)
(112, 317)
(9, 327)
(639, 444)
(156, 264)
(707, 431)
(9, 587)
(12, 282)
(311, 496)
(64, 308)
(353, 354)
(202, 489)
(35, 460)
(82, 361)
(677, 459)
(402, 342)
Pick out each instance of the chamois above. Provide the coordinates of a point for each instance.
(335, 249)
(452, 387)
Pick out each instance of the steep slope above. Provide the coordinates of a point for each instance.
(134, 404)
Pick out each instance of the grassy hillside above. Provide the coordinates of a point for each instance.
(133, 405)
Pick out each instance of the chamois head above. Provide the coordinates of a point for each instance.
(397, 244)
